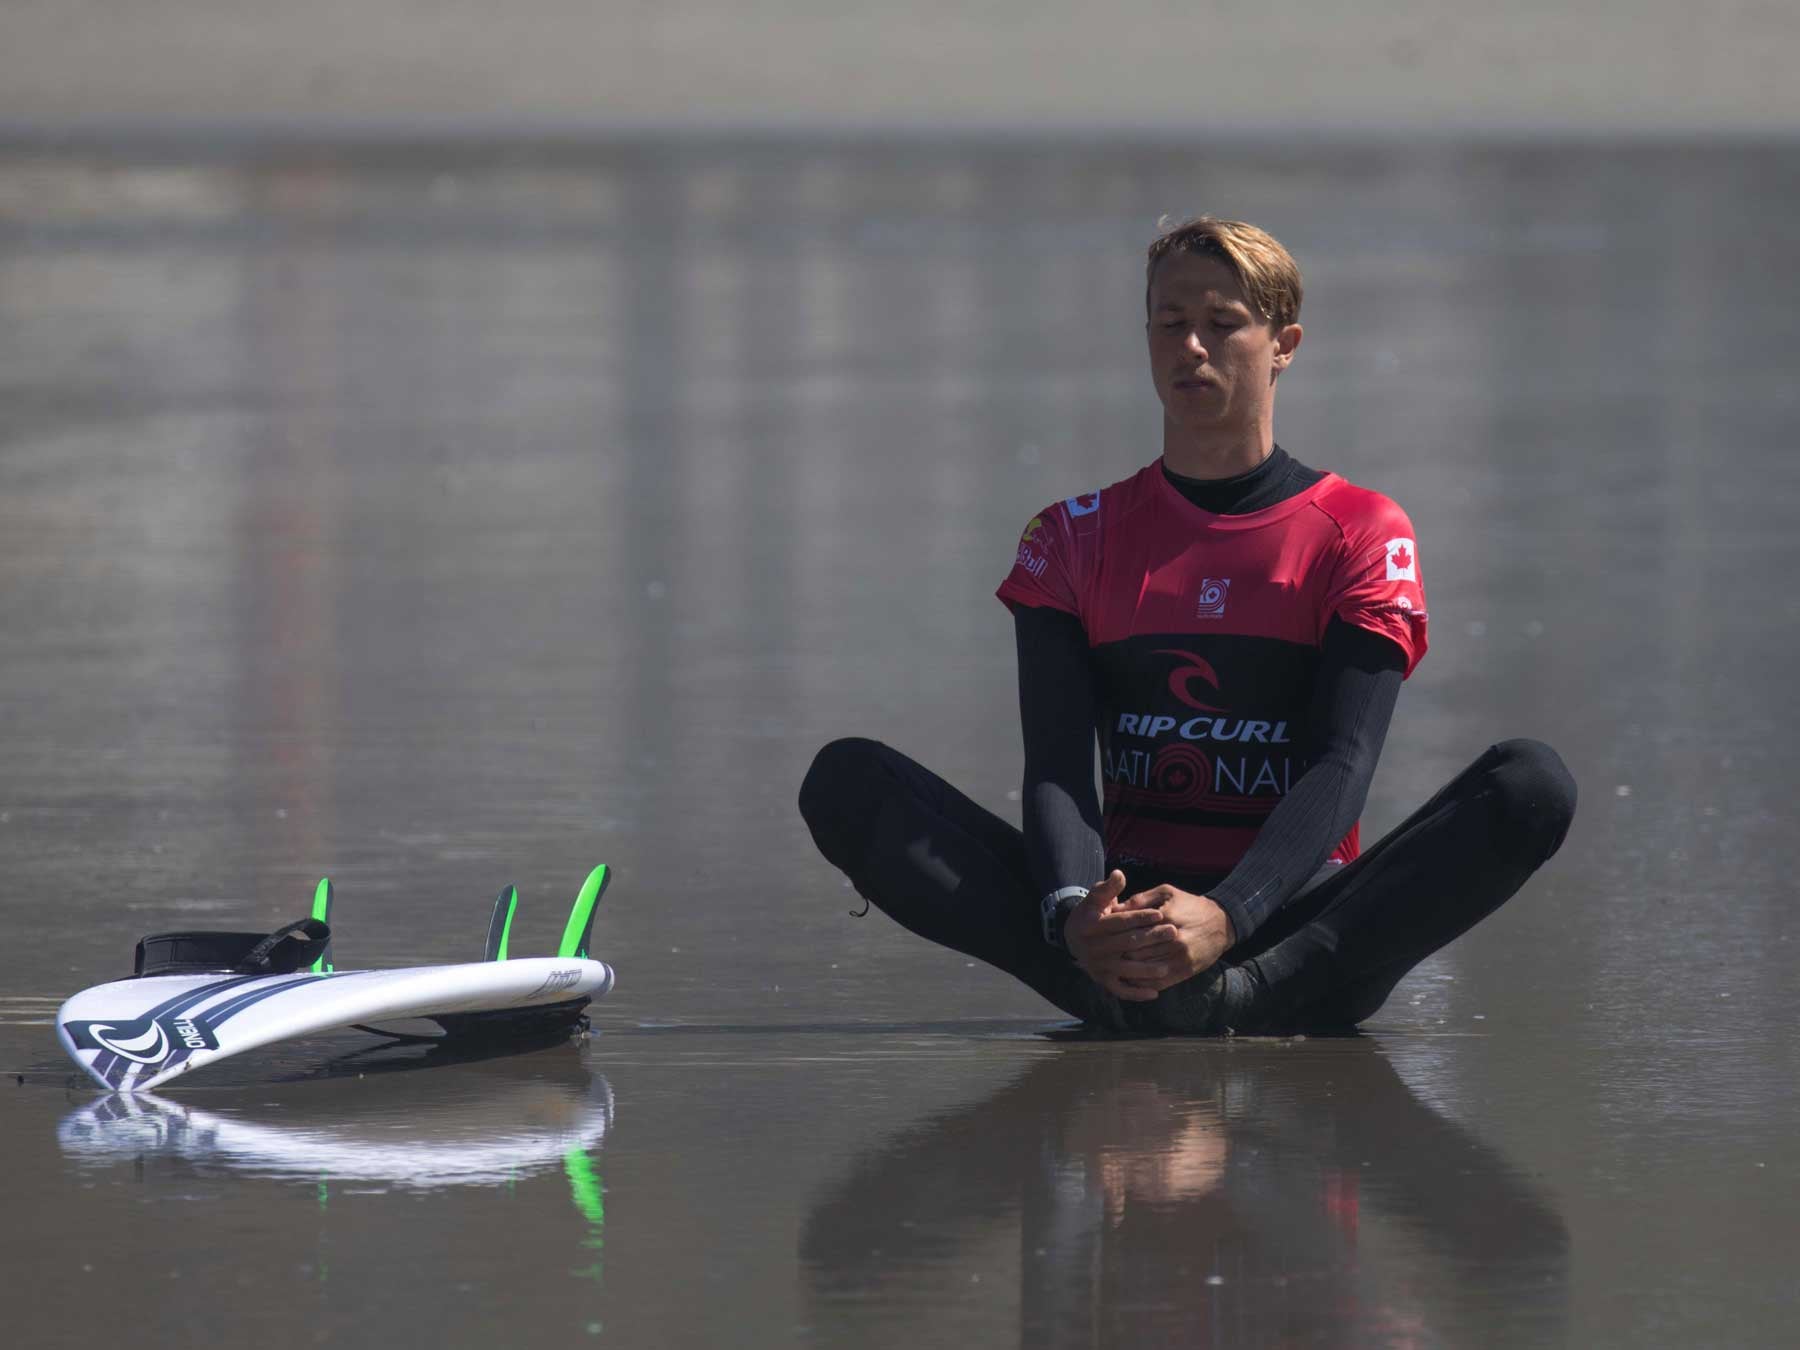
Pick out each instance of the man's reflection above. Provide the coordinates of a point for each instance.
(1250, 1194)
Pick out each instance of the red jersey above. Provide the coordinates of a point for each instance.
(1204, 632)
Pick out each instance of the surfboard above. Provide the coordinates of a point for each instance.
(138, 1034)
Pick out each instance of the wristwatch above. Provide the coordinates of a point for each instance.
(1056, 908)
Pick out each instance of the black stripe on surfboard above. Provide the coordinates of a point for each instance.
(213, 1018)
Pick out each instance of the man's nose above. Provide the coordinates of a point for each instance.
(1193, 344)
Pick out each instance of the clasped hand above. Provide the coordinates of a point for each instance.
(1140, 945)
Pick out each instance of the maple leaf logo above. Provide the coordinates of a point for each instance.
(1400, 560)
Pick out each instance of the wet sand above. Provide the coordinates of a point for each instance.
(441, 518)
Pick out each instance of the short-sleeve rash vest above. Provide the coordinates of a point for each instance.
(1205, 631)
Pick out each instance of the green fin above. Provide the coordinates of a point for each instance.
(586, 1190)
(322, 912)
(581, 919)
(500, 926)
(589, 1194)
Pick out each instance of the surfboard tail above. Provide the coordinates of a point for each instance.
(578, 932)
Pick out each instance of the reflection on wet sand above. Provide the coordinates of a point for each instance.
(494, 1128)
(1253, 1194)
(337, 1172)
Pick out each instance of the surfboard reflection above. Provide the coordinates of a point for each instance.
(480, 1127)
(1206, 1195)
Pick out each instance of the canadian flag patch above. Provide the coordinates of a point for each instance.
(1402, 560)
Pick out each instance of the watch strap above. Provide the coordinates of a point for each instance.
(1056, 908)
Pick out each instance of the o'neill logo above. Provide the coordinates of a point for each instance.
(142, 1040)
(1402, 560)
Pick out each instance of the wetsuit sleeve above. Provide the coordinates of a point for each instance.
(1376, 583)
(1353, 702)
(1063, 842)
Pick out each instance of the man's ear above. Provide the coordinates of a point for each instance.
(1287, 342)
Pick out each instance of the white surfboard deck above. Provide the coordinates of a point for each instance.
(136, 1035)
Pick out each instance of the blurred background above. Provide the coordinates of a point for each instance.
(444, 445)
(1631, 67)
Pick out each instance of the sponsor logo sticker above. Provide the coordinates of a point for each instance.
(1212, 598)
(147, 1047)
(144, 1040)
(1029, 561)
(1181, 680)
(554, 981)
(1033, 564)
(1084, 505)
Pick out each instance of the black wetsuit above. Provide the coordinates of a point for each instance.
(1321, 941)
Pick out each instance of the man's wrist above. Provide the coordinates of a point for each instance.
(1055, 909)
(1237, 924)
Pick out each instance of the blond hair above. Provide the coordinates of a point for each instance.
(1267, 271)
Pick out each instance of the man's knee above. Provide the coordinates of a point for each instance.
(1533, 796)
(841, 793)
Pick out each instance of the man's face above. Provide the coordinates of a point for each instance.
(1213, 357)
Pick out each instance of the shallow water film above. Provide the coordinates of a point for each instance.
(441, 519)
